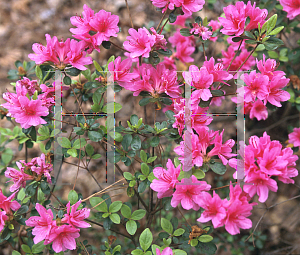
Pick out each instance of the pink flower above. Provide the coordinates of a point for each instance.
(30, 112)
(139, 43)
(201, 80)
(215, 24)
(169, 63)
(201, 31)
(163, 4)
(178, 39)
(121, 71)
(160, 41)
(217, 70)
(292, 7)
(156, 81)
(189, 193)
(268, 67)
(3, 218)
(42, 168)
(214, 209)
(294, 137)
(258, 110)
(180, 20)
(61, 53)
(42, 225)
(63, 238)
(82, 24)
(31, 86)
(166, 251)
(167, 179)
(76, 218)
(7, 204)
(189, 6)
(256, 16)
(275, 92)
(260, 183)
(184, 52)
(18, 177)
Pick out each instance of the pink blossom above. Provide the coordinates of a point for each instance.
(214, 209)
(156, 81)
(7, 204)
(42, 224)
(292, 7)
(294, 137)
(31, 86)
(215, 24)
(217, 70)
(169, 63)
(189, 6)
(180, 20)
(268, 67)
(139, 43)
(160, 41)
(42, 168)
(121, 71)
(61, 53)
(76, 218)
(260, 183)
(189, 193)
(63, 238)
(201, 31)
(166, 251)
(184, 52)
(163, 4)
(177, 40)
(275, 92)
(82, 23)
(3, 218)
(290, 170)
(258, 110)
(18, 177)
(167, 179)
(256, 16)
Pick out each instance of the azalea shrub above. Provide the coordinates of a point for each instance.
(160, 181)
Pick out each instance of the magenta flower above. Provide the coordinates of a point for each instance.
(217, 70)
(82, 23)
(177, 40)
(214, 209)
(160, 41)
(167, 180)
(76, 218)
(3, 218)
(268, 67)
(7, 204)
(201, 31)
(262, 183)
(121, 71)
(166, 251)
(180, 20)
(163, 4)
(42, 168)
(42, 225)
(256, 15)
(215, 24)
(294, 137)
(63, 238)
(139, 43)
(189, 6)
(184, 52)
(189, 193)
(292, 7)
(31, 86)
(257, 110)
(18, 177)
(275, 92)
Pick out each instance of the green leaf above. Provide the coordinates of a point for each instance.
(39, 247)
(273, 54)
(165, 52)
(44, 131)
(205, 238)
(194, 242)
(136, 143)
(26, 248)
(64, 142)
(154, 141)
(276, 30)
(67, 80)
(128, 176)
(144, 101)
(115, 218)
(143, 156)
(207, 248)
(97, 66)
(95, 136)
(218, 167)
(146, 239)
(179, 252)
(21, 194)
(131, 227)
(16, 253)
(89, 149)
(134, 119)
(198, 173)
(178, 232)
(126, 211)
(96, 156)
(172, 17)
(97, 200)
(72, 152)
(151, 159)
(249, 34)
(7, 155)
(73, 197)
(185, 32)
(271, 23)
(126, 141)
(111, 107)
(137, 252)
(217, 92)
(38, 72)
(166, 225)
(145, 169)
(138, 214)
(115, 206)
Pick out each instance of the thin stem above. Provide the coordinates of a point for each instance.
(163, 26)
(235, 55)
(246, 59)
(184, 217)
(117, 46)
(162, 18)
(129, 14)
(203, 50)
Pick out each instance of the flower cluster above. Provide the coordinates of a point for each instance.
(61, 54)
(6, 207)
(193, 148)
(236, 15)
(261, 160)
(202, 31)
(263, 87)
(37, 168)
(292, 7)
(94, 28)
(232, 213)
(60, 232)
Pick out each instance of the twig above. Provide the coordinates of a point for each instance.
(117, 46)
(162, 18)
(129, 14)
